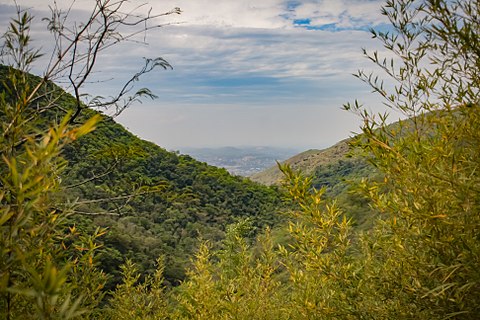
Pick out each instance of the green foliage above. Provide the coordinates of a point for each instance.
(420, 259)
(133, 300)
(424, 251)
(48, 269)
(235, 283)
(339, 179)
(43, 263)
(318, 260)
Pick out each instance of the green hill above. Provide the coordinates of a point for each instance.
(195, 200)
(337, 169)
(307, 162)
(192, 200)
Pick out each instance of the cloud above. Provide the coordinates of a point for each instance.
(265, 14)
(340, 14)
(241, 63)
(264, 66)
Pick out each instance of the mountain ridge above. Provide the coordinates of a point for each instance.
(306, 162)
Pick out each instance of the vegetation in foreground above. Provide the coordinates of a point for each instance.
(419, 261)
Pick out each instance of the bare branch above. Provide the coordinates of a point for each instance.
(128, 197)
(100, 213)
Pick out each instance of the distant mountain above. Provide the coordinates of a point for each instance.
(242, 161)
(336, 168)
(307, 162)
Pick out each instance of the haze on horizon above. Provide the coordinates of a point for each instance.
(246, 73)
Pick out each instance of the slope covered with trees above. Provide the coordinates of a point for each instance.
(179, 199)
(153, 202)
(307, 162)
(337, 169)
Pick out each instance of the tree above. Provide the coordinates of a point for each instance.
(134, 300)
(424, 252)
(47, 267)
(318, 260)
(236, 282)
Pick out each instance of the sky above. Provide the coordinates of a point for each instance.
(245, 73)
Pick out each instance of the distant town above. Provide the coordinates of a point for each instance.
(241, 161)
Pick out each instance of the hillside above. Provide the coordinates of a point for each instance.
(337, 169)
(307, 162)
(195, 200)
(153, 202)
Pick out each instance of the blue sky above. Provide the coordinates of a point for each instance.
(270, 72)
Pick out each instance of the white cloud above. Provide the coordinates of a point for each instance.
(343, 13)
(273, 53)
(239, 62)
(265, 14)
(231, 13)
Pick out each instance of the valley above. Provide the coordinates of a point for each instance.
(99, 223)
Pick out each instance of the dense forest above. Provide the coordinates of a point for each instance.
(97, 224)
(175, 200)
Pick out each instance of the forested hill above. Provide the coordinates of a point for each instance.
(337, 169)
(194, 200)
(178, 199)
(307, 162)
